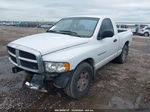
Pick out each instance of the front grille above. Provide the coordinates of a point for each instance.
(12, 50)
(13, 59)
(29, 64)
(25, 60)
(27, 55)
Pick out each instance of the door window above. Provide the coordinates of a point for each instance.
(106, 26)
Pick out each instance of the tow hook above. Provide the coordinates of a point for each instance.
(37, 83)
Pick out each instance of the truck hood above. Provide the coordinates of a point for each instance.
(50, 42)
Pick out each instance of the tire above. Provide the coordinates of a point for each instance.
(123, 56)
(80, 82)
(146, 34)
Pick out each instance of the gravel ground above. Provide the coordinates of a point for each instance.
(117, 86)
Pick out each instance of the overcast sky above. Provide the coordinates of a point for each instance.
(49, 10)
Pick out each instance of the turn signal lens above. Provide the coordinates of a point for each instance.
(67, 66)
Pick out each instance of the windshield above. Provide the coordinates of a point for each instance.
(81, 27)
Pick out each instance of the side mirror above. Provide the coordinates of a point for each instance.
(106, 34)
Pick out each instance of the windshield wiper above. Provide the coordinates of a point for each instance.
(64, 32)
(69, 33)
(52, 31)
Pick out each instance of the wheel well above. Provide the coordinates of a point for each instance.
(91, 62)
(146, 32)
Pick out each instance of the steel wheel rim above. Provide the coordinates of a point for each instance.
(83, 81)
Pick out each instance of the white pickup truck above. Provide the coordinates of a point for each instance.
(69, 53)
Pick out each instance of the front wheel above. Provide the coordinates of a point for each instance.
(123, 56)
(80, 81)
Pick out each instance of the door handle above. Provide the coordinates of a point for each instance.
(115, 40)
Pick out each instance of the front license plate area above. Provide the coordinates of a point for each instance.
(37, 83)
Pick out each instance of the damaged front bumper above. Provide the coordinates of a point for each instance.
(37, 81)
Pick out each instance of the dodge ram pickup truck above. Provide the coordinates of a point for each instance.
(69, 53)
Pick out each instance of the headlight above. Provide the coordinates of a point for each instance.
(57, 67)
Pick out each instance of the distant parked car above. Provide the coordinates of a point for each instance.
(144, 31)
(130, 27)
(46, 26)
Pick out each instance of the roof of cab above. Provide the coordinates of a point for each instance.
(91, 16)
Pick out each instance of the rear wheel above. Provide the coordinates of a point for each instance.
(80, 81)
(123, 56)
(146, 34)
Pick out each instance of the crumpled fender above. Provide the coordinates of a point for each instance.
(62, 80)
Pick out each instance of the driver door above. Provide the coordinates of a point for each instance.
(107, 47)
